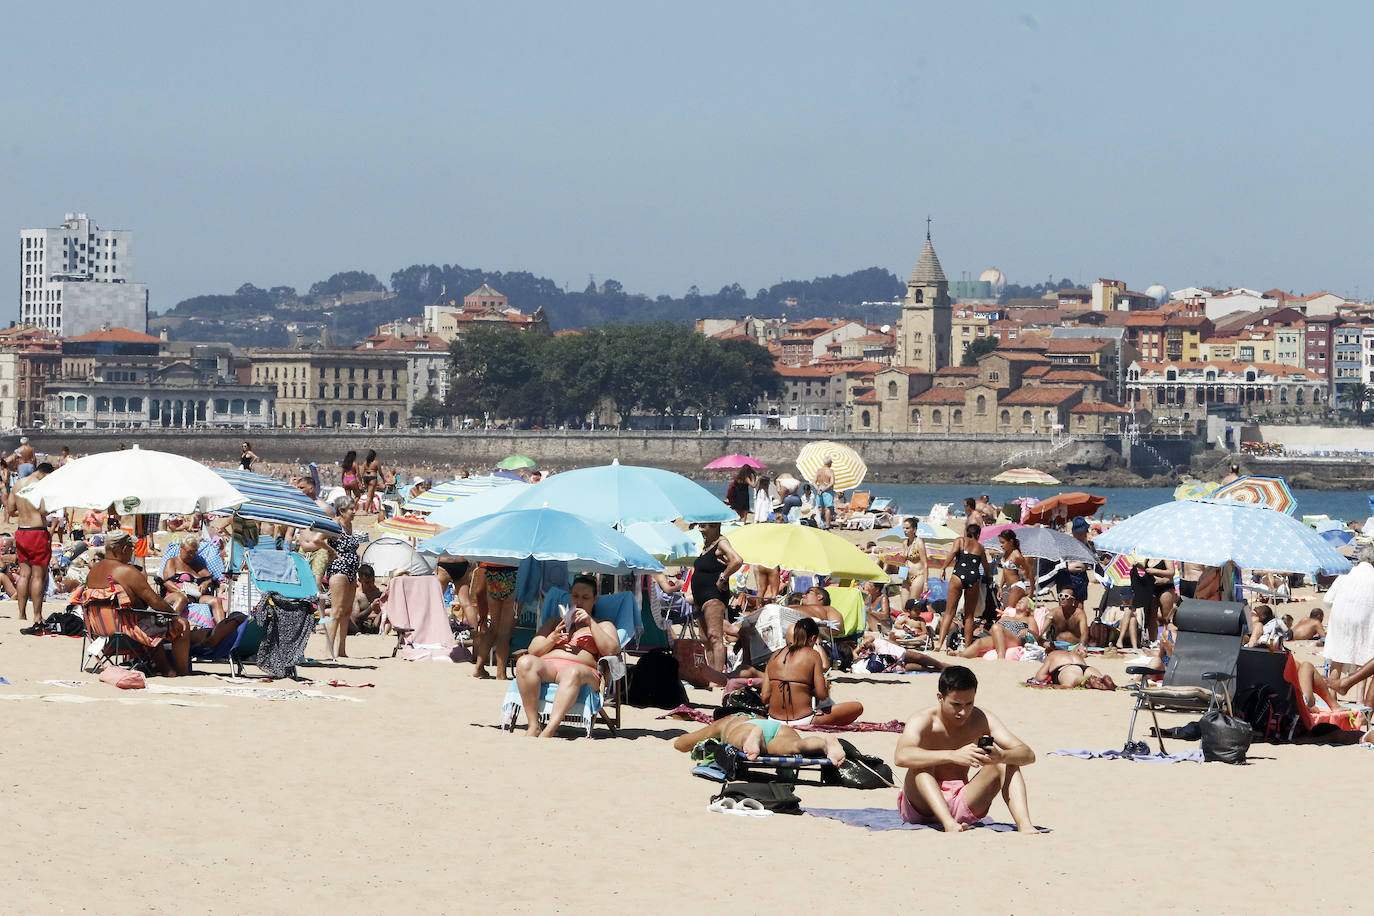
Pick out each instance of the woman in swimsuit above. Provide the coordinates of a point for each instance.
(189, 581)
(372, 478)
(348, 468)
(877, 611)
(711, 574)
(495, 593)
(247, 458)
(1071, 669)
(794, 684)
(564, 656)
(754, 736)
(917, 563)
(970, 563)
(1017, 627)
(1017, 572)
(737, 495)
(457, 572)
(342, 576)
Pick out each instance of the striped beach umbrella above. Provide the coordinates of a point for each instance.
(450, 490)
(409, 526)
(849, 469)
(1025, 476)
(276, 502)
(1262, 491)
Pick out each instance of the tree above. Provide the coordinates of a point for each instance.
(1358, 394)
(349, 281)
(429, 409)
(975, 349)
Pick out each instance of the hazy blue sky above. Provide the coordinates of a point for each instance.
(667, 145)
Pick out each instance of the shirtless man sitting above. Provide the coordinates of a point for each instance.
(941, 744)
(118, 565)
(1311, 627)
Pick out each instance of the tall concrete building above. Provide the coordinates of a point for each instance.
(927, 315)
(78, 278)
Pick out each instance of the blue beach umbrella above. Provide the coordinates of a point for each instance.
(666, 541)
(620, 495)
(484, 502)
(544, 534)
(270, 500)
(1216, 531)
(1337, 537)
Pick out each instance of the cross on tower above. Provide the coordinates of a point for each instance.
(927, 228)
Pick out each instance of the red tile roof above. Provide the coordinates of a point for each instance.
(1077, 344)
(1047, 396)
(940, 395)
(1097, 407)
(958, 371)
(116, 335)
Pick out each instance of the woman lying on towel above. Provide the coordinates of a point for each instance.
(794, 685)
(564, 654)
(1016, 627)
(755, 736)
(1064, 668)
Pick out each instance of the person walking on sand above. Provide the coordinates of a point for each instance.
(942, 744)
(32, 547)
(825, 486)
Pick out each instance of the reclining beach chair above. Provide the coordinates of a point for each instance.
(241, 649)
(286, 573)
(720, 762)
(1206, 651)
(619, 608)
(198, 613)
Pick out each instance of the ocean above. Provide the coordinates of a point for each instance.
(917, 499)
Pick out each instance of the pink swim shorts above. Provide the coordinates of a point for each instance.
(953, 791)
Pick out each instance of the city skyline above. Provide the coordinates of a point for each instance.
(667, 149)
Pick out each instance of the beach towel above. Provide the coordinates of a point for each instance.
(888, 819)
(1193, 756)
(415, 603)
(273, 566)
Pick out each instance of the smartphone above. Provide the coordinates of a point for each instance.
(986, 742)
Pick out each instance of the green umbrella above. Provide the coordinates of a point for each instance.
(515, 463)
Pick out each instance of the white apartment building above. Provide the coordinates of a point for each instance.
(78, 278)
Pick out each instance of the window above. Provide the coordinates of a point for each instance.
(916, 417)
(135, 404)
(1025, 418)
(994, 376)
(892, 389)
(866, 418)
(81, 402)
(937, 416)
(1082, 420)
(982, 405)
(1006, 417)
(221, 405)
(102, 403)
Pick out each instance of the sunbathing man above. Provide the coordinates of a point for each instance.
(816, 604)
(1311, 627)
(1064, 668)
(941, 744)
(754, 736)
(118, 566)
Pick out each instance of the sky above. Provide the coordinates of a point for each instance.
(671, 145)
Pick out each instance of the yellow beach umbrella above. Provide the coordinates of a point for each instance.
(849, 469)
(805, 548)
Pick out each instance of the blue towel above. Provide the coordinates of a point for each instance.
(889, 819)
(273, 566)
(1193, 756)
(527, 578)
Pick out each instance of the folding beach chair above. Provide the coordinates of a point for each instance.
(414, 608)
(1206, 651)
(241, 649)
(723, 763)
(620, 609)
(112, 627)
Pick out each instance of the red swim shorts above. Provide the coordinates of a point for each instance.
(953, 791)
(33, 546)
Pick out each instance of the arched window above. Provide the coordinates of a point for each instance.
(135, 404)
(236, 407)
(1049, 418)
(119, 404)
(1025, 418)
(982, 405)
(1299, 396)
(320, 417)
(395, 419)
(957, 418)
(352, 417)
(221, 405)
(1283, 395)
(892, 389)
(336, 418)
(322, 394)
(102, 403)
(937, 416)
(1006, 417)
(916, 417)
(920, 296)
(1082, 420)
(69, 402)
(81, 402)
(866, 418)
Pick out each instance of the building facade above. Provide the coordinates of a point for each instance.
(427, 364)
(927, 315)
(335, 388)
(140, 392)
(1192, 391)
(77, 277)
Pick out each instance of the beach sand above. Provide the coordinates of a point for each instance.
(412, 800)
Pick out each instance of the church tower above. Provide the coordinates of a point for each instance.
(926, 314)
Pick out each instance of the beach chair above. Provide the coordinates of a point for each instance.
(619, 608)
(285, 573)
(112, 627)
(198, 613)
(414, 608)
(237, 651)
(723, 763)
(1206, 652)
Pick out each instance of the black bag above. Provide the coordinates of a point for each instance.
(774, 796)
(859, 770)
(1224, 737)
(286, 627)
(654, 682)
(65, 623)
(746, 699)
(1271, 715)
(1099, 634)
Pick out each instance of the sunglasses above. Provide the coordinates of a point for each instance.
(1065, 596)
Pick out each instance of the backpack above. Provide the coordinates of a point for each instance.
(775, 797)
(859, 770)
(654, 682)
(1099, 633)
(748, 699)
(65, 623)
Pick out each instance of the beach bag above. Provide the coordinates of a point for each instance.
(286, 627)
(65, 623)
(1272, 718)
(692, 666)
(123, 678)
(746, 699)
(1099, 634)
(774, 796)
(654, 682)
(1224, 737)
(859, 770)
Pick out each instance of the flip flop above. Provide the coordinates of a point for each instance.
(750, 807)
(711, 772)
(722, 806)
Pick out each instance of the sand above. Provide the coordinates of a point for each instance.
(412, 800)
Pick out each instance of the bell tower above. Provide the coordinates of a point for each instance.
(926, 314)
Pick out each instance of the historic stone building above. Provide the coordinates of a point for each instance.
(927, 315)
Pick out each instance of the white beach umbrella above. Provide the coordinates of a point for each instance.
(137, 481)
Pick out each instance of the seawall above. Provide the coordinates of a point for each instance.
(890, 457)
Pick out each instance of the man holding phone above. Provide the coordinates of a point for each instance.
(942, 744)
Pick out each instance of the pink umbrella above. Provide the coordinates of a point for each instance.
(730, 462)
(990, 533)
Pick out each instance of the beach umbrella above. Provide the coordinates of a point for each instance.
(805, 548)
(848, 468)
(544, 534)
(515, 463)
(621, 494)
(137, 481)
(409, 525)
(1119, 570)
(480, 503)
(734, 462)
(277, 502)
(1195, 489)
(1262, 491)
(665, 541)
(1029, 476)
(1063, 506)
(991, 532)
(458, 488)
(1213, 532)
(1048, 544)
(1337, 537)
(391, 555)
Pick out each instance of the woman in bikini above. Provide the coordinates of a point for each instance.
(246, 458)
(1017, 627)
(754, 736)
(348, 470)
(711, 573)
(495, 594)
(917, 563)
(970, 563)
(188, 581)
(1017, 574)
(564, 655)
(1064, 668)
(794, 685)
(372, 478)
